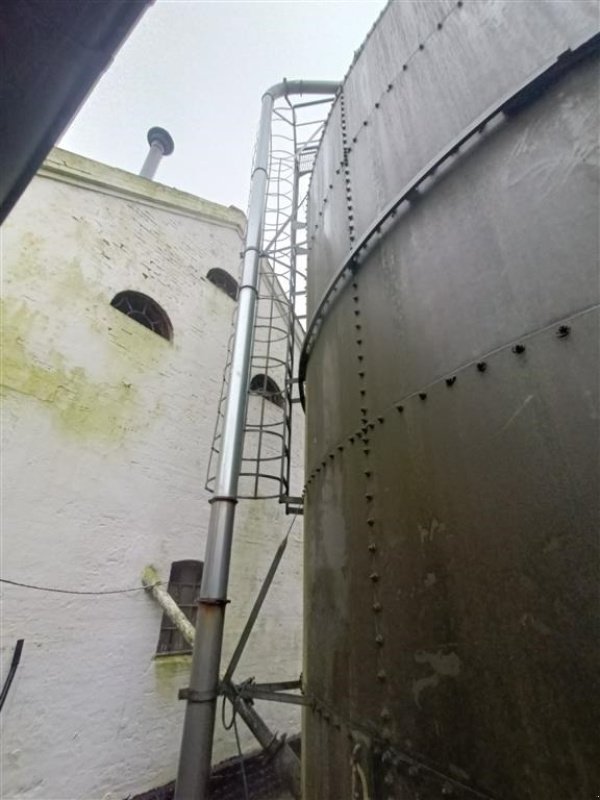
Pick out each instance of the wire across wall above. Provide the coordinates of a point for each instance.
(273, 402)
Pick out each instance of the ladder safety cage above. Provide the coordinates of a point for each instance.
(280, 321)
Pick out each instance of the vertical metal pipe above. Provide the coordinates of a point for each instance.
(161, 144)
(196, 745)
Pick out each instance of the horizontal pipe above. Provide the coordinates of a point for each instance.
(286, 88)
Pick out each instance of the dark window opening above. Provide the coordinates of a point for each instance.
(224, 281)
(145, 310)
(184, 588)
(265, 386)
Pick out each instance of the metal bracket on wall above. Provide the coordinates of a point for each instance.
(196, 697)
(272, 691)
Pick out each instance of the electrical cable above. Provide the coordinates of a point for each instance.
(75, 591)
(11, 671)
(228, 727)
(242, 765)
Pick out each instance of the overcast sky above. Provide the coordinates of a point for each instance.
(199, 69)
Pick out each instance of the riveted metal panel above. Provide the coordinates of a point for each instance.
(326, 236)
(337, 379)
(472, 60)
(452, 499)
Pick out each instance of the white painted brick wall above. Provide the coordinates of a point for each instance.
(106, 432)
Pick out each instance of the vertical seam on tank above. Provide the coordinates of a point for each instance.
(376, 106)
(362, 436)
(345, 166)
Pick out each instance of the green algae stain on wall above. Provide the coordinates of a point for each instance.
(171, 672)
(83, 407)
(135, 345)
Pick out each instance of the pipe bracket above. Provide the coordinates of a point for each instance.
(193, 696)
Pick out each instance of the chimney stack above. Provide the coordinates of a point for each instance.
(161, 144)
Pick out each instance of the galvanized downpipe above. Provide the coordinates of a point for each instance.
(197, 739)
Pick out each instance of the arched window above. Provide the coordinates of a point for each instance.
(262, 384)
(224, 281)
(145, 310)
(184, 588)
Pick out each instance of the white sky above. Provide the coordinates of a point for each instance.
(199, 68)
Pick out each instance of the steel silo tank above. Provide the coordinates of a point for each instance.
(451, 501)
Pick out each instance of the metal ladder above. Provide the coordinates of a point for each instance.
(267, 459)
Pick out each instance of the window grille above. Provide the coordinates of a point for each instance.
(224, 281)
(262, 384)
(145, 310)
(184, 587)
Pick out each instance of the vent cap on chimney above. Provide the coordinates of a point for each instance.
(163, 138)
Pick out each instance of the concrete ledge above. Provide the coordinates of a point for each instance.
(61, 165)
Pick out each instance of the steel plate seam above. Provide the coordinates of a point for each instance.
(390, 87)
(325, 709)
(512, 102)
(452, 375)
(350, 68)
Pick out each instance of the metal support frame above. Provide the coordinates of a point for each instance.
(271, 691)
(285, 760)
(198, 728)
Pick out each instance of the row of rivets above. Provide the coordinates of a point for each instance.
(345, 166)
(563, 331)
(393, 764)
(362, 435)
(377, 105)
